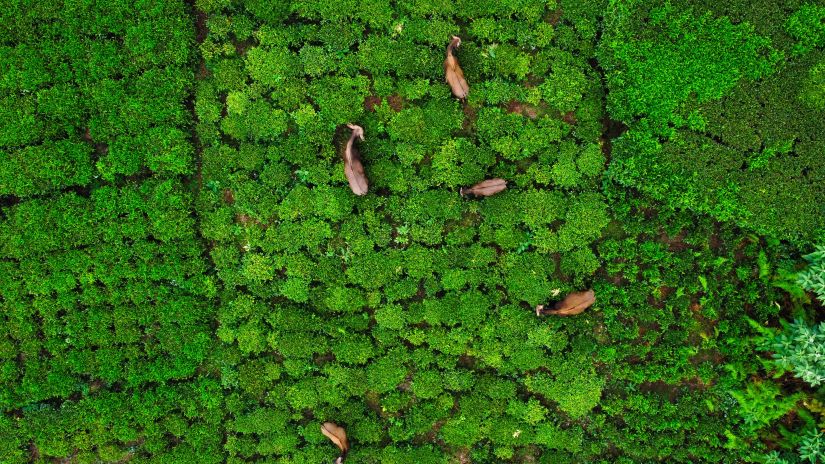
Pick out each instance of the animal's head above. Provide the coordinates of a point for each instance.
(456, 41)
(357, 131)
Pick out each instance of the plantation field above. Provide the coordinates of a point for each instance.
(186, 275)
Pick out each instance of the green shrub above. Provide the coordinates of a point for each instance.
(806, 26)
(391, 317)
(799, 348)
(44, 168)
(813, 277)
(576, 388)
(354, 349)
(760, 403)
(580, 263)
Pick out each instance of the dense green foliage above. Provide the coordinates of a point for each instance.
(802, 349)
(105, 316)
(185, 275)
(724, 116)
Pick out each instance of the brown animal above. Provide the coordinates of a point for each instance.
(453, 72)
(353, 168)
(571, 305)
(337, 435)
(485, 188)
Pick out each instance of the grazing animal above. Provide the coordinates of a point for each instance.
(572, 304)
(485, 188)
(338, 436)
(453, 72)
(353, 168)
